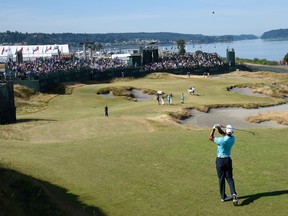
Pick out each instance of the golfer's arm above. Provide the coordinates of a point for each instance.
(211, 135)
(221, 131)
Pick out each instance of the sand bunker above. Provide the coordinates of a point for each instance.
(235, 116)
(247, 91)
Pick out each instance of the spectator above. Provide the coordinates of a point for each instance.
(106, 111)
(182, 98)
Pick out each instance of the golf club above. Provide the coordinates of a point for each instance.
(240, 130)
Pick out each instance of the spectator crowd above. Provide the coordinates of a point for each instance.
(39, 67)
(189, 60)
(44, 66)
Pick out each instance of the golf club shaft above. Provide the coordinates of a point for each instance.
(245, 131)
(240, 130)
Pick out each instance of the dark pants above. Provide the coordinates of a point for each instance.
(224, 171)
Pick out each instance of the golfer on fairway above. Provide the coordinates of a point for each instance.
(224, 162)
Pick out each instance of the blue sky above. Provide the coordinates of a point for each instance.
(179, 16)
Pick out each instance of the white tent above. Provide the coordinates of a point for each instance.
(31, 52)
(123, 57)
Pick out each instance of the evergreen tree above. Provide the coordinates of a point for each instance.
(286, 58)
(181, 46)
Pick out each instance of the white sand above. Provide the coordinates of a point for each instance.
(235, 116)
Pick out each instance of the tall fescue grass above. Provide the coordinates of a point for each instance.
(279, 117)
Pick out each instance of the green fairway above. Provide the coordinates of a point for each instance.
(139, 161)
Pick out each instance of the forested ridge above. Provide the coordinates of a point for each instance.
(9, 37)
(275, 34)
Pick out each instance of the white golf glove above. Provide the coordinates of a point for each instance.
(216, 126)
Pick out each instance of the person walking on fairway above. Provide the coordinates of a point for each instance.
(182, 98)
(224, 162)
(106, 110)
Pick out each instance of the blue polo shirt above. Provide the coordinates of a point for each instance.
(224, 145)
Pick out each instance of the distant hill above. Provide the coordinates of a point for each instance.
(114, 38)
(275, 34)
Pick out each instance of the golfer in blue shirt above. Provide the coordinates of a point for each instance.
(224, 162)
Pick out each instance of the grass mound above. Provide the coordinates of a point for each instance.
(180, 115)
(65, 88)
(149, 91)
(29, 101)
(279, 117)
(22, 92)
(161, 76)
(117, 91)
(124, 91)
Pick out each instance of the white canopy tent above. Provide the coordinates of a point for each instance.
(31, 52)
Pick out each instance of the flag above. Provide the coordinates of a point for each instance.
(48, 48)
(2, 50)
(36, 49)
(21, 50)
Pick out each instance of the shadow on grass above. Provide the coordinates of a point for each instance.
(33, 120)
(22, 195)
(251, 198)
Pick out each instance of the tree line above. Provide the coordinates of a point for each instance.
(276, 34)
(75, 39)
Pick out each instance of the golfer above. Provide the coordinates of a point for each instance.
(106, 110)
(224, 162)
